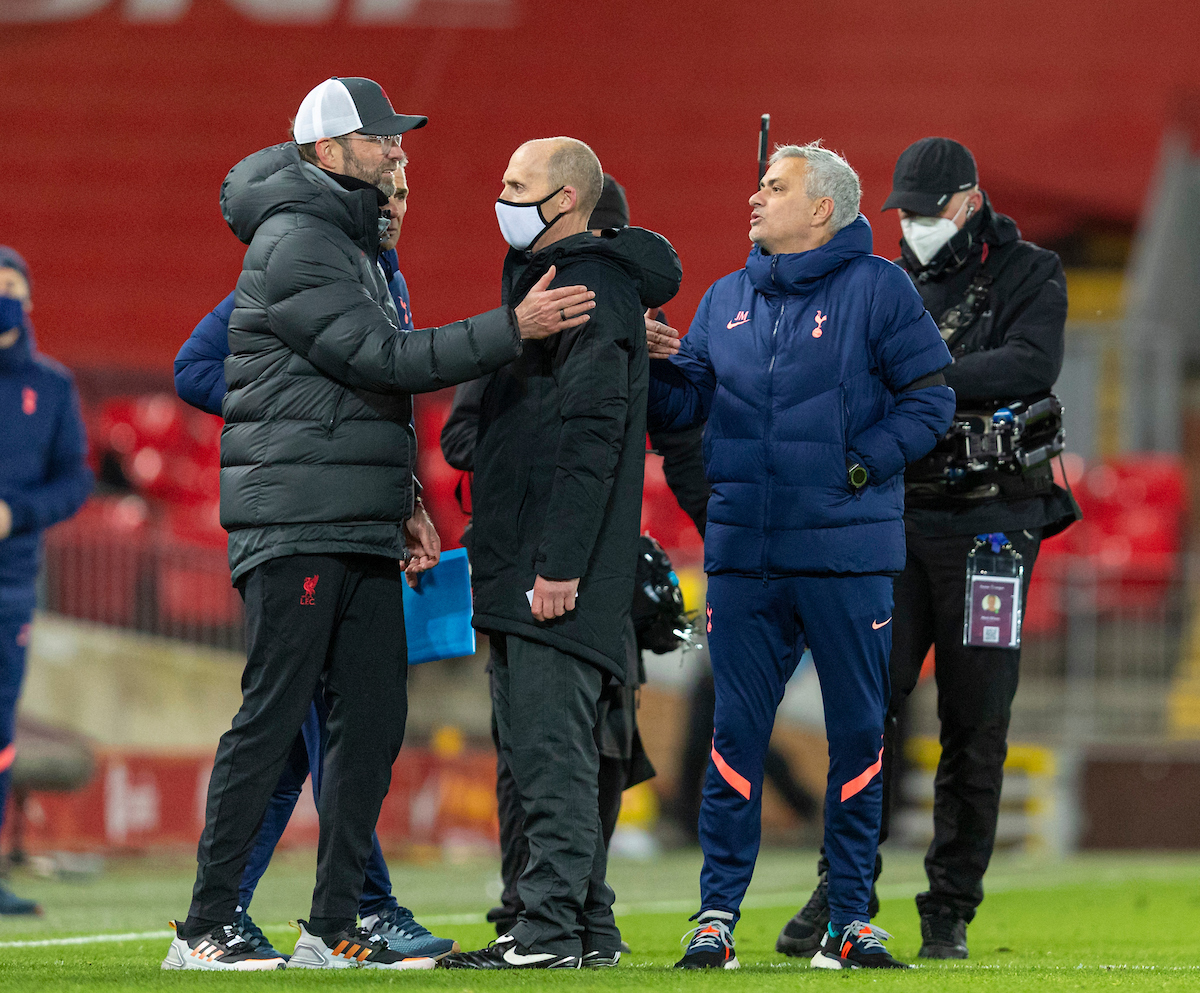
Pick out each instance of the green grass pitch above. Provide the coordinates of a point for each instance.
(1095, 922)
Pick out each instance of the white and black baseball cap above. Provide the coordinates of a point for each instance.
(344, 104)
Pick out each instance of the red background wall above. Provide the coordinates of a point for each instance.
(118, 133)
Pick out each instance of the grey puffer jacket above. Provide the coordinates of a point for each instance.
(318, 449)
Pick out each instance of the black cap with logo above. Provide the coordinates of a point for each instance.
(928, 173)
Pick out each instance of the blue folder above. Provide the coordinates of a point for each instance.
(437, 615)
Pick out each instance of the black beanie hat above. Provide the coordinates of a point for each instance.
(612, 209)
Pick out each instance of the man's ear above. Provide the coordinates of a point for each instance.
(567, 199)
(822, 211)
(329, 154)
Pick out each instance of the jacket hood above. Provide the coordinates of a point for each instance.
(659, 268)
(276, 180)
(986, 227)
(789, 272)
(647, 257)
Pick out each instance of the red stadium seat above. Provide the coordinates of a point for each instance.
(1128, 542)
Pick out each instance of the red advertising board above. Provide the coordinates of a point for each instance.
(123, 116)
(140, 800)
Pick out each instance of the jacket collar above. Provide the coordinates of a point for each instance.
(792, 272)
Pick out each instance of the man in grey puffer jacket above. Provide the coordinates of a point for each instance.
(320, 502)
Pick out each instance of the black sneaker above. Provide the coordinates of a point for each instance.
(600, 960)
(10, 903)
(224, 948)
(711, 945)
(354, 948)
(859, 946)
(253, 934)
(801, 936)
(943, 936)
(506, 953)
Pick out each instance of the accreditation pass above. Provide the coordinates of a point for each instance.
(993, 612)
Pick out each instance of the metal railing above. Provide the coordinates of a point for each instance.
(128, 576)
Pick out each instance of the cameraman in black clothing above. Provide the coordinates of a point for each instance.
(1001, 304)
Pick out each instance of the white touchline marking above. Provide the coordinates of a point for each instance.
(88, 939)
(766, 901)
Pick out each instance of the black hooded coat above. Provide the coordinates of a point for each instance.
(318, 449)
(559, 460)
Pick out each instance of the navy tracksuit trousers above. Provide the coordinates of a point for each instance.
(14, 639)
(757, 631)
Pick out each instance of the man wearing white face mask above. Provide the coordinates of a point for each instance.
(557, 496)
(1000, 304)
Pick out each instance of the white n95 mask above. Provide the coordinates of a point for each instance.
(522, 223)
(927, 235)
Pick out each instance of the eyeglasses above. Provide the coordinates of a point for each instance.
(386, 142)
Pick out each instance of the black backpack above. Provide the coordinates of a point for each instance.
(658, 615)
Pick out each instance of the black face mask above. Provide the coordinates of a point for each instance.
(19, 354)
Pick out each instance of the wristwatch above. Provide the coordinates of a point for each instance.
(856, 474)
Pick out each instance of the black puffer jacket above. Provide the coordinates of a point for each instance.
(559, 459)
(1013, 350)
(318, 450)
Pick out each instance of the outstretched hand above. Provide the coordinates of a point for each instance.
(661, 341)
(544, 311)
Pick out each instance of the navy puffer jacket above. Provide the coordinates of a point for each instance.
(798, 363)
(44, 476)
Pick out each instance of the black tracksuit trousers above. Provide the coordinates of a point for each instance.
(335, 620)
(545, 705)
(514, 847)
(975, 688)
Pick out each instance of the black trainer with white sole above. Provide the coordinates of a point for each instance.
(223, 949)
(354, 948)
(506, 953)
(858, 946)
(711, 944)
(600, 960)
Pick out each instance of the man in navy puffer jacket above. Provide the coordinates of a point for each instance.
(44, 479)
(818, 372)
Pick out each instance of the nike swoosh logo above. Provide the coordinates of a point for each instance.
(516, 958)
(733, 324)
(876, 625)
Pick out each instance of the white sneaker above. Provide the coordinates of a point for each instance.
(354, 948)
(224, 948)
